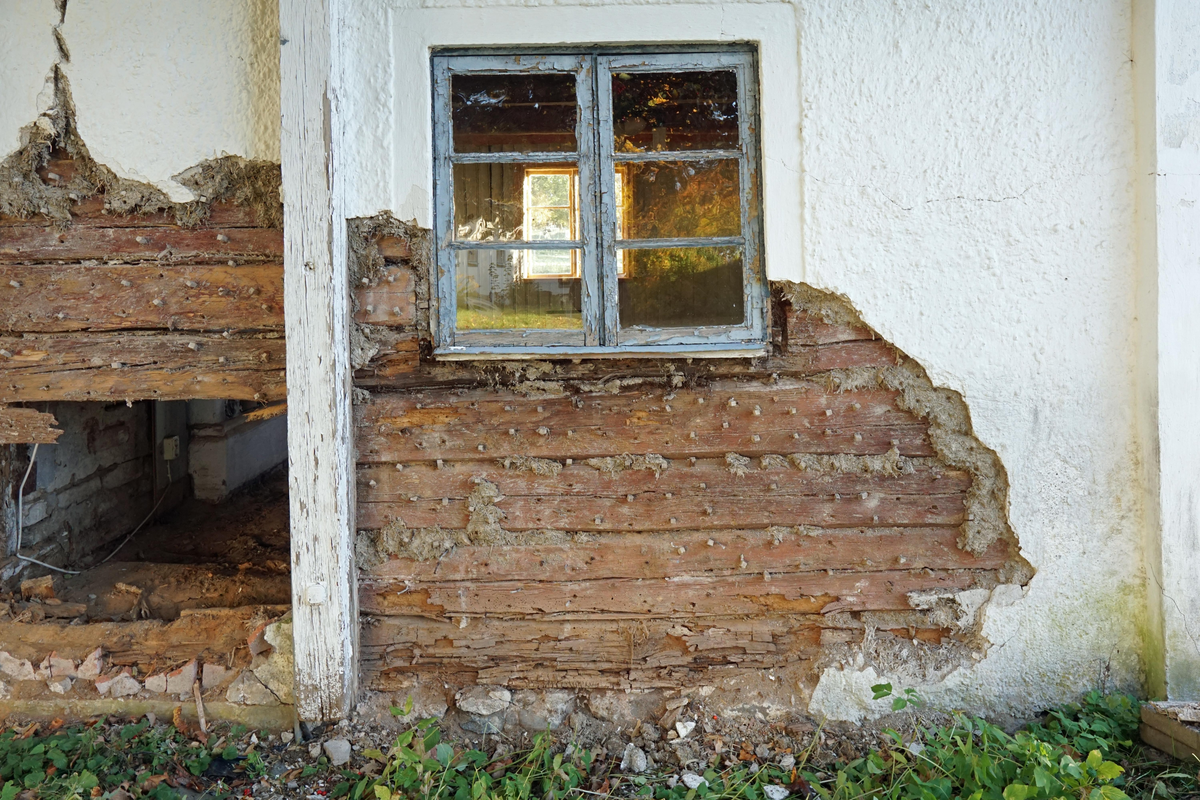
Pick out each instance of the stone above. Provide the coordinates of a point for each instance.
(493, 723)
(38, 588)
(286, 737)
(213, 675)
(483, 701)
(277, 670)
(775, 792)
(684, 726)
(179, 681)
(56, 667)
(19, 669)
(314, 750)
(338, 751)
(634, 759)
(625, 709)
(157, 683)
(118, 684)
(91, 667)
(692, 781)
(539, 711)
(248, 690)
(5, 690)
(257, 641)
(60, 685)
(762, 751)
(787, 761)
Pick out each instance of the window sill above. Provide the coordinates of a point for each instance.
(712, 350)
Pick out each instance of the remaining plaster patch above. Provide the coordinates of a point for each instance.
(846, 695)
(612, 465)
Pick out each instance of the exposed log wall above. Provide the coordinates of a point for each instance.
(655, 522)
(136, 306)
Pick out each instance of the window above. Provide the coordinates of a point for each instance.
(597, 202)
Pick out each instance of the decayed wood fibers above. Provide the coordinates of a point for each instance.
(27, 426)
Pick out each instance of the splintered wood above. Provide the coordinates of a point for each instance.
(27, 426)
(597, 525)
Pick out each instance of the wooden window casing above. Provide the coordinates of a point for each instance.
(600, 260)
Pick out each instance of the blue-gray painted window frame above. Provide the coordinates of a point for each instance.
(596, 160)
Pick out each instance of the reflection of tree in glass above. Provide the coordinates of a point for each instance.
(673, 199)
(675, 110)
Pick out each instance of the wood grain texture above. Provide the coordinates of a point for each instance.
(27, 426)
(320, 424)
(47, 298)
(145, 243)
(678, 596)
(587, 654)
(479, 424)
(657, 556)
(119, 366)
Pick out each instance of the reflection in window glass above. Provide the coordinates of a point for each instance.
(675, 199)
(492, 201)
(675, 111)
(514, 112)
(494, 294)
(682, 287)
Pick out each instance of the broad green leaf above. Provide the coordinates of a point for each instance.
(383, 793)
(1108, 771)
(1018, 791)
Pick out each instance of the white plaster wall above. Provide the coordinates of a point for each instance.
(158, 86)
(27, 54)
(968, 185)
(1177, 29)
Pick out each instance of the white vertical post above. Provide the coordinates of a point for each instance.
(317, 317)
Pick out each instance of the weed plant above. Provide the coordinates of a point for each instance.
(1082, 751)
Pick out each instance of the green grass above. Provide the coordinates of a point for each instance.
(478, 320)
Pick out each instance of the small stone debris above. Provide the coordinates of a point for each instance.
(762, 751)
(213, 675)
(338, 751)
(91, 667)
(119, 684)
(634, 759)
(60, 685)
(775, 792)
(787, 761)
(684, 727)
(157, 683)
(692, 781)
(483, 701)
(19, 669)
(180, 681)
(314, 750)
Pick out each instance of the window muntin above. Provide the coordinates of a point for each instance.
(645, 235)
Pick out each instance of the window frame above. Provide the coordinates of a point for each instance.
(599, 251)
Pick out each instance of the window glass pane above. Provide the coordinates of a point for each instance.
(675, 111)
(673, 199)
(511, 202)
(513, 112)
(682, 287)
(502, 290)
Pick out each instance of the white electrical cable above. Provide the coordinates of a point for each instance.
(125, 541)
(21, 520)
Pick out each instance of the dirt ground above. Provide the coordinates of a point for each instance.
(197, 556)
